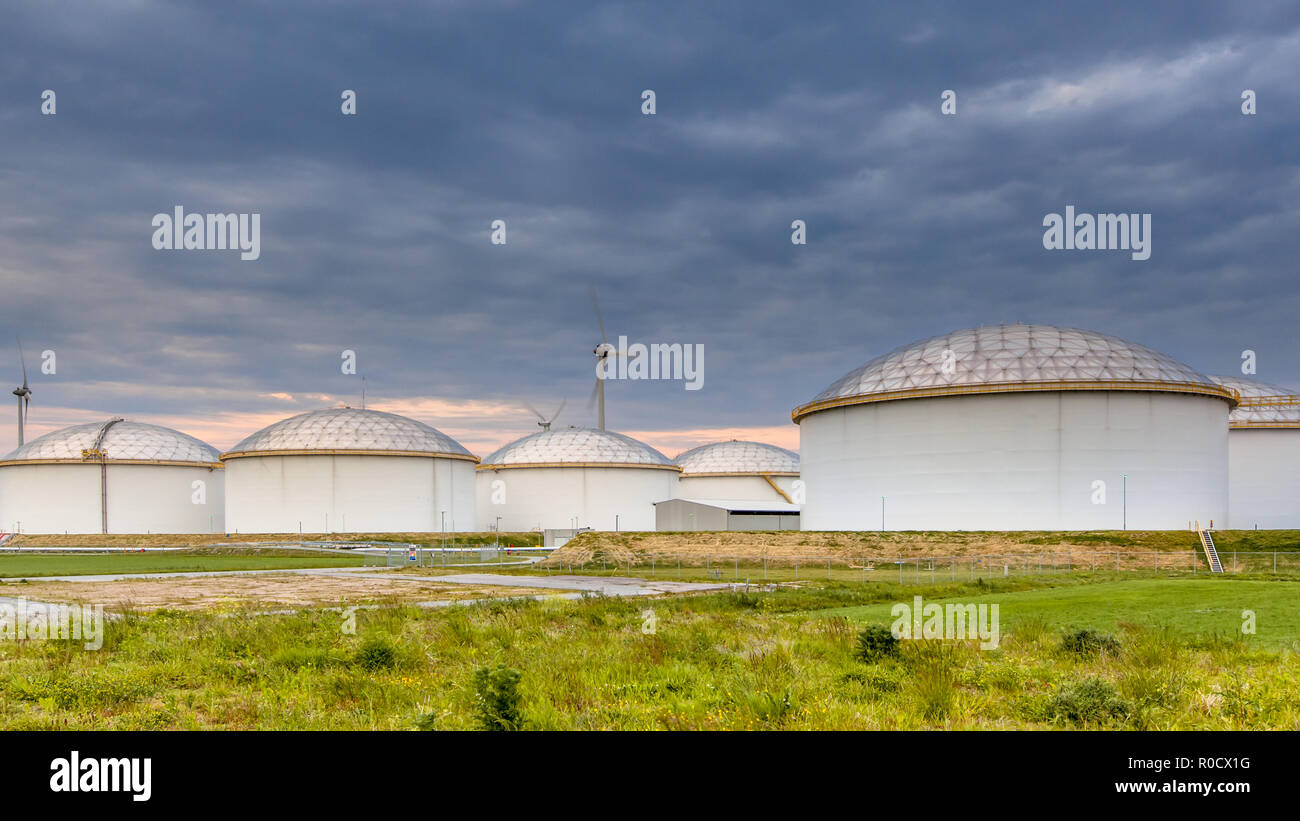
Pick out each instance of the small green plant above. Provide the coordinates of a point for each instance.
(1089, 643)
(771, 708)
(497, 699)
(376, 654)
(1090, 701)
(934, 679)
(875, 643)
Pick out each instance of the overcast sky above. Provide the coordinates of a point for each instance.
(375, 228)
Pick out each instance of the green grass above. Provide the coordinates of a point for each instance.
(781, 660)
(1188, 607)
(50, 564)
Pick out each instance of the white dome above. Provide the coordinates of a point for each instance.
(349, 430)
(122, 442)
(737, 457)
(1264, 405)
(576, 447)
(1008, 358)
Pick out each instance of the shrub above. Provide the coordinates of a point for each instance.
(875, 643)
(1089, 643)
(497, 698)
(376, 654)
(1090, 701)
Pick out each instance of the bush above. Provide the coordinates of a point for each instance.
(1090, 701)
(1089, 643)
(376, 654)
(876, 643)
(497, 698)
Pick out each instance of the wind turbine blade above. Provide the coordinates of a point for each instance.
(23, 361)
(591, 400)
(599, 319)
(559, 410)
(534, 411)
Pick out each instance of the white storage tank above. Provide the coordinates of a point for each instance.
(738, 470)
(349, 471)
(1263, 456)
(1016, 427)
(574, 478)
(115, 476)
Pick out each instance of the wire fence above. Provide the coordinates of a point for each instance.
(927, 569)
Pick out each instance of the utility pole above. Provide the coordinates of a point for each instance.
(1125, 475)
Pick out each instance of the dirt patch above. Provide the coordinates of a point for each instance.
(266, 590)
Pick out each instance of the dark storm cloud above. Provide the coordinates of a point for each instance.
(375, 227)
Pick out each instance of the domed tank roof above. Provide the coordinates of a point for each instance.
(351, 431)
(1009, 358)
(577, 447)
(722, 458)
(122, 441)
(1263, 404)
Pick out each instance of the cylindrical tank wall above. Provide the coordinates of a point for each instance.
(1264, 478)
(349, 494)
(1017, 461)
(735, 487)
(66, 498)
(602, 498)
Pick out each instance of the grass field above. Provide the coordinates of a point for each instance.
(54, 564)
(786, 659)
(1186, 608)
(126, 540)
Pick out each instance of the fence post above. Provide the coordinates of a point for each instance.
(1274, 561)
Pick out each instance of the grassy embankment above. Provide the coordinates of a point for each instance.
(1171, 655)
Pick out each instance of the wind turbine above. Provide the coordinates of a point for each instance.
(23, 393)
(602, 351)
(545, 424)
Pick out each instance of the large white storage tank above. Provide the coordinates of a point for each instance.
(115, 476)
(738, 470)
(1016, 427)
(349, 471)
(1263, 455)
(574, 478)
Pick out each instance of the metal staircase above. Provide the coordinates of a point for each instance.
(1211, 553)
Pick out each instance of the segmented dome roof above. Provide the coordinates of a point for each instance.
(1001, 358)
(1280, 414)
(349, 430)
(123, 442)
(737, 457)
(577, 446)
